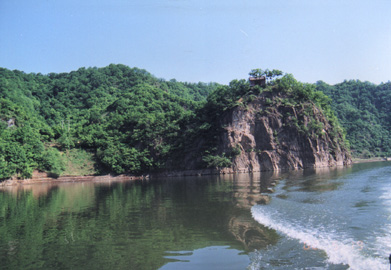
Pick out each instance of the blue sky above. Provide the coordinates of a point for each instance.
(199, 40)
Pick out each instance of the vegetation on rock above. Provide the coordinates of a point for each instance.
(299, 106)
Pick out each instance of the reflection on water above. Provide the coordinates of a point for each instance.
(131, 224)
(319, 179)
(36, 190)
(214, 257)
(145, 224)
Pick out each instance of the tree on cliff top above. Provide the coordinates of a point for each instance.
(269, 74)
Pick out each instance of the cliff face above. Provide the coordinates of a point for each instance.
(269, 133)
(272, 140)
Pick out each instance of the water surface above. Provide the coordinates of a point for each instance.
(328, 219)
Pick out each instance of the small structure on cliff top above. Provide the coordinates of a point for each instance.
(261, 77)
(261, 81)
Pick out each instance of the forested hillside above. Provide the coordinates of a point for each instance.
(364, 110)
(124, 119)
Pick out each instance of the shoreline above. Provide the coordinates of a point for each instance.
(375, 159)
(42, 177)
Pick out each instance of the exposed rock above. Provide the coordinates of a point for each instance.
(272, 135)
(11, 122)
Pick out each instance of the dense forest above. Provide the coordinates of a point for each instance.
(364, 111)
(124, 120)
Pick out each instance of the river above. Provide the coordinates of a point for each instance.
(324, 219)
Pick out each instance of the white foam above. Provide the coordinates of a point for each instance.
(383, 240)
(338, 249)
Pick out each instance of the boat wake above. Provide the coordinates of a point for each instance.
(338, 249)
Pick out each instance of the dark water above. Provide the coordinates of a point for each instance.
(226, 222)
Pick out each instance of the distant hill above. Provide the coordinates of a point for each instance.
(364, 110)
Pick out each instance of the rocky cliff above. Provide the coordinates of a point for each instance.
(271, 131)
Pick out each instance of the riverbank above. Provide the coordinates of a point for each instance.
(374, 159)
(42, 177)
